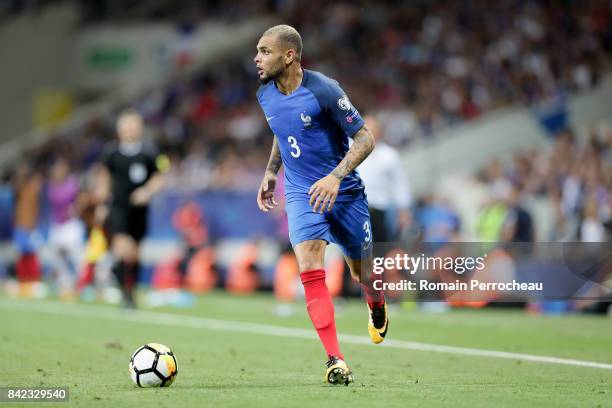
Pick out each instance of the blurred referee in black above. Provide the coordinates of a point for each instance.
(131, 179)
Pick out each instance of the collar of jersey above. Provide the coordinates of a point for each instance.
(130, 149)
(302, 83)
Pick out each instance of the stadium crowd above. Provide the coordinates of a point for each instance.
(559, 194)
(434, 64)
(427, 67)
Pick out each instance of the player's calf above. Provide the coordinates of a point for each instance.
(320, 309)
(126, 276)
(378, 321)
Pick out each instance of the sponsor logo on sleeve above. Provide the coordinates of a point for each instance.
(344, 104)
(352, 116)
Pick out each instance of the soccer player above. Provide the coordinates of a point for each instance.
(312, 119)
(132, 178)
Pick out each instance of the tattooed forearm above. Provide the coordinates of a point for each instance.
(275, 161)
(363, 144)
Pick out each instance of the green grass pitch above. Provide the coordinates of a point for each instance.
(87, 348)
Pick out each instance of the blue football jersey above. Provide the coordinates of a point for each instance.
(312, 125)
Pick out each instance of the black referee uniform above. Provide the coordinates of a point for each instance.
(130, 168)
(129, 171)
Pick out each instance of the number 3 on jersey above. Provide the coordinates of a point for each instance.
(293, 143)
(366, 228)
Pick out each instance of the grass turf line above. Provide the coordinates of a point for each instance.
(227, 369)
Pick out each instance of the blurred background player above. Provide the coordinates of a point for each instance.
(66, 231)
(312, 120)
(386, 186)
(131, 178)
(387, 189)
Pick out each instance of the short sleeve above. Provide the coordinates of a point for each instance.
(337, 105)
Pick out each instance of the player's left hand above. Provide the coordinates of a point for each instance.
(140, 196)
(323, 193)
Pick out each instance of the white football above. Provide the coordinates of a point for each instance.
(153, 365)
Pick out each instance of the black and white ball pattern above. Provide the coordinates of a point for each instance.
(153, 365)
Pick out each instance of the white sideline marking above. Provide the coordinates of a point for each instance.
(139, 316)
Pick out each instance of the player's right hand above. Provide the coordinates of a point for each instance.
(265, 195)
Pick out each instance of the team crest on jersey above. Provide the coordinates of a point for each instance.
(343, 103)
(306, 119)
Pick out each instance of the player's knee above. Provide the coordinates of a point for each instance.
(309, 262)
(125, 249)
(310, 255)
(309, 265)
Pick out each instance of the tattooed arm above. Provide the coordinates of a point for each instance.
(363, 144)
(324, 192)
(275, 161)
(265, 195)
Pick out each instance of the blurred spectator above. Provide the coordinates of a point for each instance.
(448, 61)
(28, 184)
(591, 227)
(93, 215)
(491, 221)
(518, 224)
(571, 183)
(189, 221)
(439, 222)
